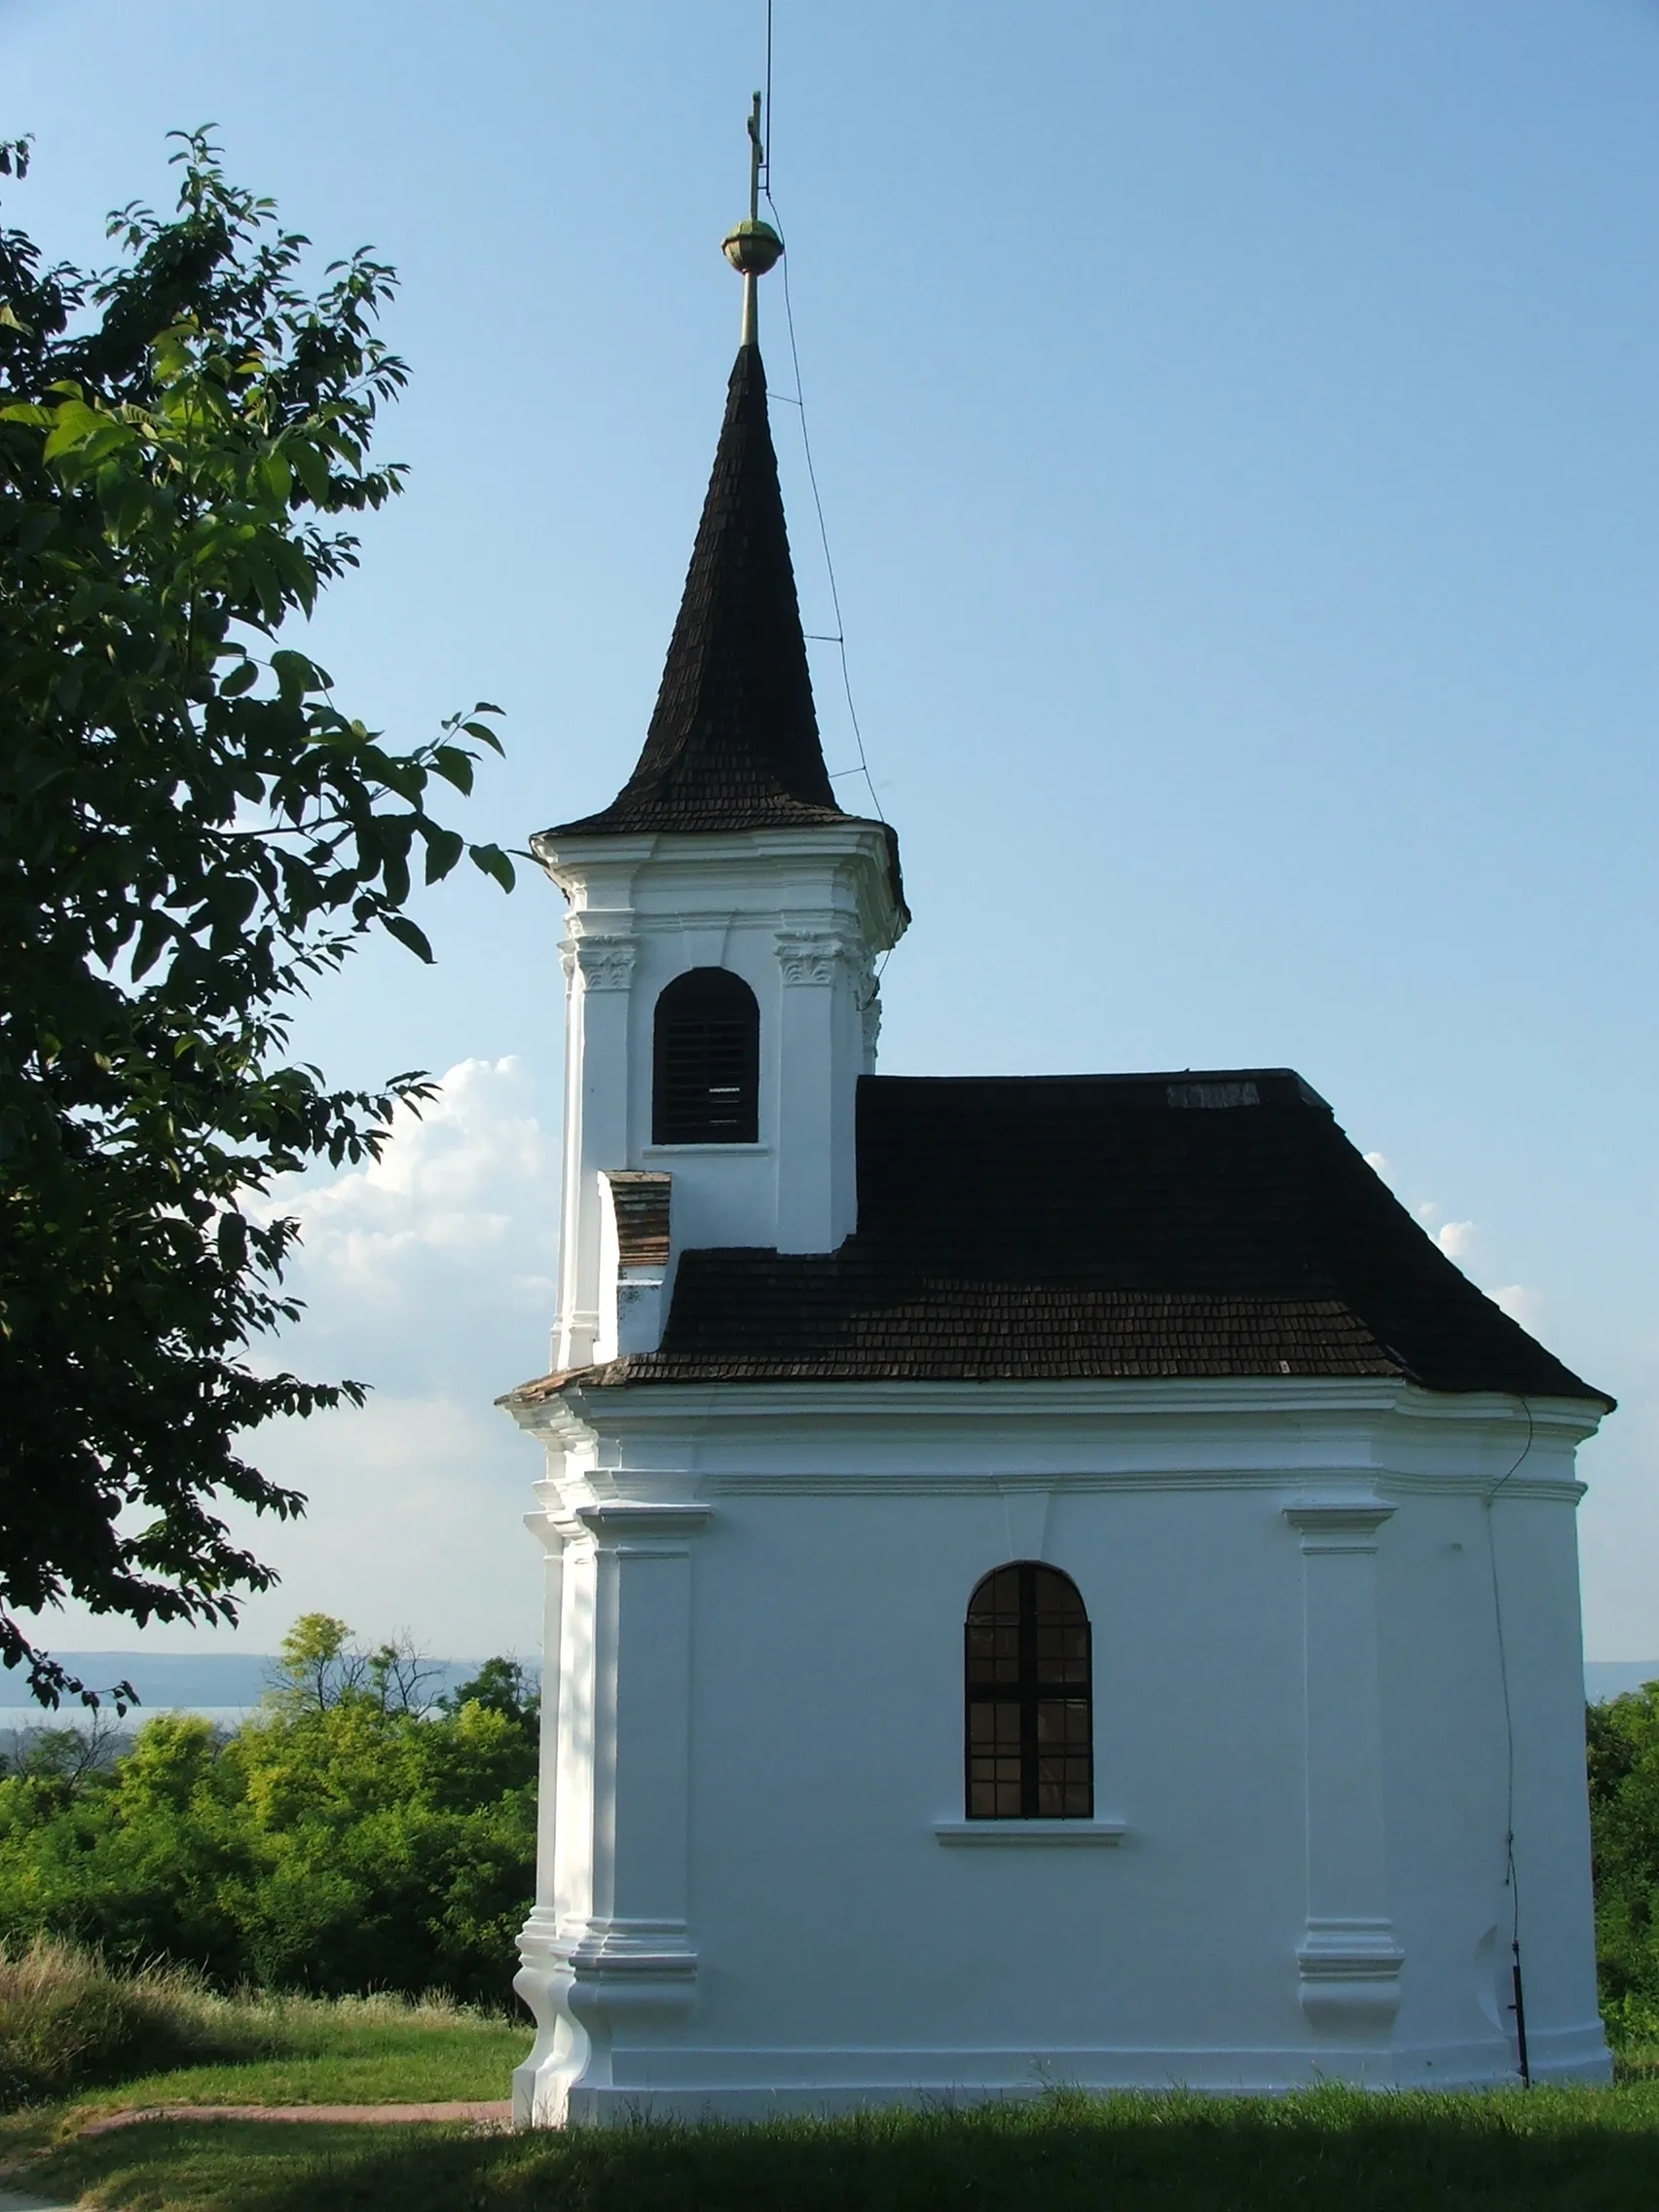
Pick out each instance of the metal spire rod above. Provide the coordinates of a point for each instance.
(753, 247)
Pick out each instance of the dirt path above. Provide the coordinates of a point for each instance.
(383, 2116)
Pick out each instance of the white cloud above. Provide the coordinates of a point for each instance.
(414, 1523)
(1457, 1240)
(1521, 1305)
(455, 1183)
(431, 1268)
(426, 1275)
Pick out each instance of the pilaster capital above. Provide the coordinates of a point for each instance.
(870, 1006)
(814, 956)
(1338, 1524)
(605, 963)
(644, 1526)
(553, 1528)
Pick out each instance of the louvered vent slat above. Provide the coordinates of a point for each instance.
(706, 1077)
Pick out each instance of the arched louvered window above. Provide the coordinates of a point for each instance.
(706, 1060)
(1030, 1724)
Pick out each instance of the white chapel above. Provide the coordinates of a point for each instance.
(1050, 1580)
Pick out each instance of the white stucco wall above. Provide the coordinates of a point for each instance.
(1299, 1725)
(756, 1889)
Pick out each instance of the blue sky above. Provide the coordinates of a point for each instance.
(1235, 423)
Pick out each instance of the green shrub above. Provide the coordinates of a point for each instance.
(67, 2022)
(339, 1842)
(1623, 1737)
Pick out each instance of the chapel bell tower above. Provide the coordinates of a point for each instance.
(724, 921)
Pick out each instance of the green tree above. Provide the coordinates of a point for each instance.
(191, 831)
(504, 1686)
(331, 1843)
(316, 1665)
(319, 1666)
(1623, 1739)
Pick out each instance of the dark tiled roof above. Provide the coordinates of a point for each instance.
(733, 743)
(1050, 1229)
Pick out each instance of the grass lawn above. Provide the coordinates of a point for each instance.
(1553, 2151)
(348, 2053)
(335, 2059)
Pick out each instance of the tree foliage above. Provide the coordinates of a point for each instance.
(319, 1666)
(191, 831)
(1624, 1829)
(335, 1847)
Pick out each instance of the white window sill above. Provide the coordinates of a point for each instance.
(1062, 1833)
(676, 1150)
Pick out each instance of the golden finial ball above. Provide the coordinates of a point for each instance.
(752, 246)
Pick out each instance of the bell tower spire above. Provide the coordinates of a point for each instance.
(733, 742)
(726, 918)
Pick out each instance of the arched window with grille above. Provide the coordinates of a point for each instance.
(1030, 1739)
(706, 1060)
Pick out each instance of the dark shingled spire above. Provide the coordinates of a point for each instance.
(733, 743)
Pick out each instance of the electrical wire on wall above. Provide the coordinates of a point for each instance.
(1511, 1881)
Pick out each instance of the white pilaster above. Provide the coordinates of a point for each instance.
(611, 1940)
(818, 1069)
(599, 970)
(1347, 1958)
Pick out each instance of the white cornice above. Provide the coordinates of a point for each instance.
(1299, 1440)
(702, 1408)
(696, 867)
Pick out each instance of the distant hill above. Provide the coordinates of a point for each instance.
(1612, 1677)
(197, 1681)
(231, 1680)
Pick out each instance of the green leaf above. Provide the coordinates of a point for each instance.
(444, 848)
(311, 466)
(243, 678)
(408, 933)
(295, 675)
(275, 475)
(74, 424)
(494, 862)
(156, 932)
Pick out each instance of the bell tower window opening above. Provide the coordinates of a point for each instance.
(706, 1060)
(1029, 1701)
